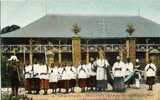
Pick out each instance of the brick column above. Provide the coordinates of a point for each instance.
(131, 49)
(76, 49)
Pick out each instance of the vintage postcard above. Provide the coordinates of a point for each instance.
(80, 50)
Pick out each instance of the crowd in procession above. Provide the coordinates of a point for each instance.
(93, 76)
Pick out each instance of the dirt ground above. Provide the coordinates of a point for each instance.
(130, 94)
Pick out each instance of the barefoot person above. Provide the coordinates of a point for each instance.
(150, 70)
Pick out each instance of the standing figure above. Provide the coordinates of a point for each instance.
(82, 77)
(91, 81)
(118, 74)
(44, 78)
(129, 71)
(28, 77)
(66, 78)
(53, 78)
(137, 73)
(150, 70)
(101, 73)
(14, 73)
(36, 77)
(73, 75)
(60, 70)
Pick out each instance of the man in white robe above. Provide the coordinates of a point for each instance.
(82, 77)
(53, 77)
(66, 78)
(101, 73)
(36, 77)
(60, 70)
(28, 77)
(44, 77)
(129, 71)
(73, 76)
(118, 71)
(91, 81)
(150, 71)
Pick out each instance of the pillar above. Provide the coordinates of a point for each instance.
(59, 57)
(87, 57)
(50, 57)
(131, 49)
(101, 53)
(76, 49)
(147, 56)
(30, 52)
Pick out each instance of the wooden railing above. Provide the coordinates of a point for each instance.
(68, 48)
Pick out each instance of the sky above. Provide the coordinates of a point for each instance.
(23, 12)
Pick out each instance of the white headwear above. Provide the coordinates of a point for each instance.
(118, 57)
(13, 58)
(137, 60)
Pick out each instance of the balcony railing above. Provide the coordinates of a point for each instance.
(68, 48)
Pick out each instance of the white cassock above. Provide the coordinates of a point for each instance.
(89, 70)
(36, 70)
(82, 76)
(73, 73)
(118, 71)
(101, 73)
(28, 72)
(53, 74)
(60, 70)
(66, 73)
(82, 72)
(150, 70)
(44, 72)
(128, 68)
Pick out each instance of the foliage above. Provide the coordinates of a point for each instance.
(9, 29)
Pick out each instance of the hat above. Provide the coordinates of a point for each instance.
(118, 57)
(137, 60)
(13, 58)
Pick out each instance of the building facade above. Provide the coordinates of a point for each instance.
(75, 39)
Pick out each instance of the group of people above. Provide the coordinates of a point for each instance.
(93, 76)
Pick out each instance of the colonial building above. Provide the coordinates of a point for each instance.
(76, 38)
